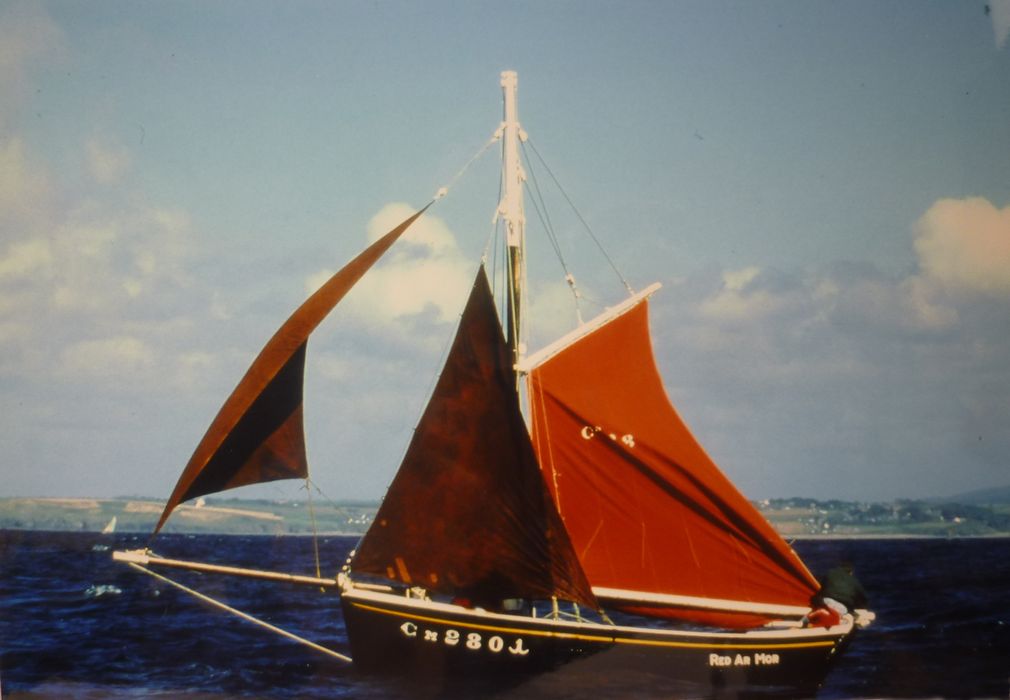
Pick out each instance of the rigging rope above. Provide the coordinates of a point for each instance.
(492, 240)
(536, 194)
(589, 230)
(545, 219)
(245, 616)
(315, 532)
(443, 191)
(322, 493)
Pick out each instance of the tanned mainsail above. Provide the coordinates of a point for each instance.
(647, 508)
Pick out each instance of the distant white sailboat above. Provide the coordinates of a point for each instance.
(110, 527)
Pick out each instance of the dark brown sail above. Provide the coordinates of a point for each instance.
(468, 514)
(257, 435)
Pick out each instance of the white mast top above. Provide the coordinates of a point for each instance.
(511, 207)
(511, 211)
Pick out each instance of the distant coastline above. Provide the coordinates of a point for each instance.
(210, 516)
(899, 536)
(794, 518)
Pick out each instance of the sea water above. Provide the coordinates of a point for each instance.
(74, 624)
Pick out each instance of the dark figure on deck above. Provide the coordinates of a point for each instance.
(840, 593)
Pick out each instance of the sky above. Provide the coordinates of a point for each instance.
(823, 190)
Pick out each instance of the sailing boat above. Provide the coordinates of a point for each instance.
(110, 527)
(598, 529)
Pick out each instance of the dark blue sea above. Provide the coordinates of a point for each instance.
(73, 624)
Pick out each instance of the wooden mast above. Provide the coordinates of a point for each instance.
(511, 210)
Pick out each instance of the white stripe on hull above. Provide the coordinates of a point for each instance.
(696, 603)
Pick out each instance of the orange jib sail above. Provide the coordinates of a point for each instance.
(645, 506)
(258, 434)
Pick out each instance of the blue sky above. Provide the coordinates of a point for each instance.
(822, 188)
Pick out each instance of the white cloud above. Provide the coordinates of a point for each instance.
(552, 313)
(879, 304)
(102, 259)
(73, 268)
(409, 287)
(924, 307)
(93, 280)
(429, 232)
(964, 246)
(23, 258)
(119, 356)
(963, 253)
(424, 271)
(869, 368)
(331, 366)
(107, 162)
(740, 299)
(999, 10)
(737, 280)
(25, 188)
(26, 34)
(192, 368)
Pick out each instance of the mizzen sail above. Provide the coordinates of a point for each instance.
(645, 506)
(468, 514)
(258, 434)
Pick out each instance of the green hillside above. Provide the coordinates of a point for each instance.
(223, 516)
(792, 517)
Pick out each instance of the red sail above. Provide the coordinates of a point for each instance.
(646, 508)
(257, 435)
(468, 514)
